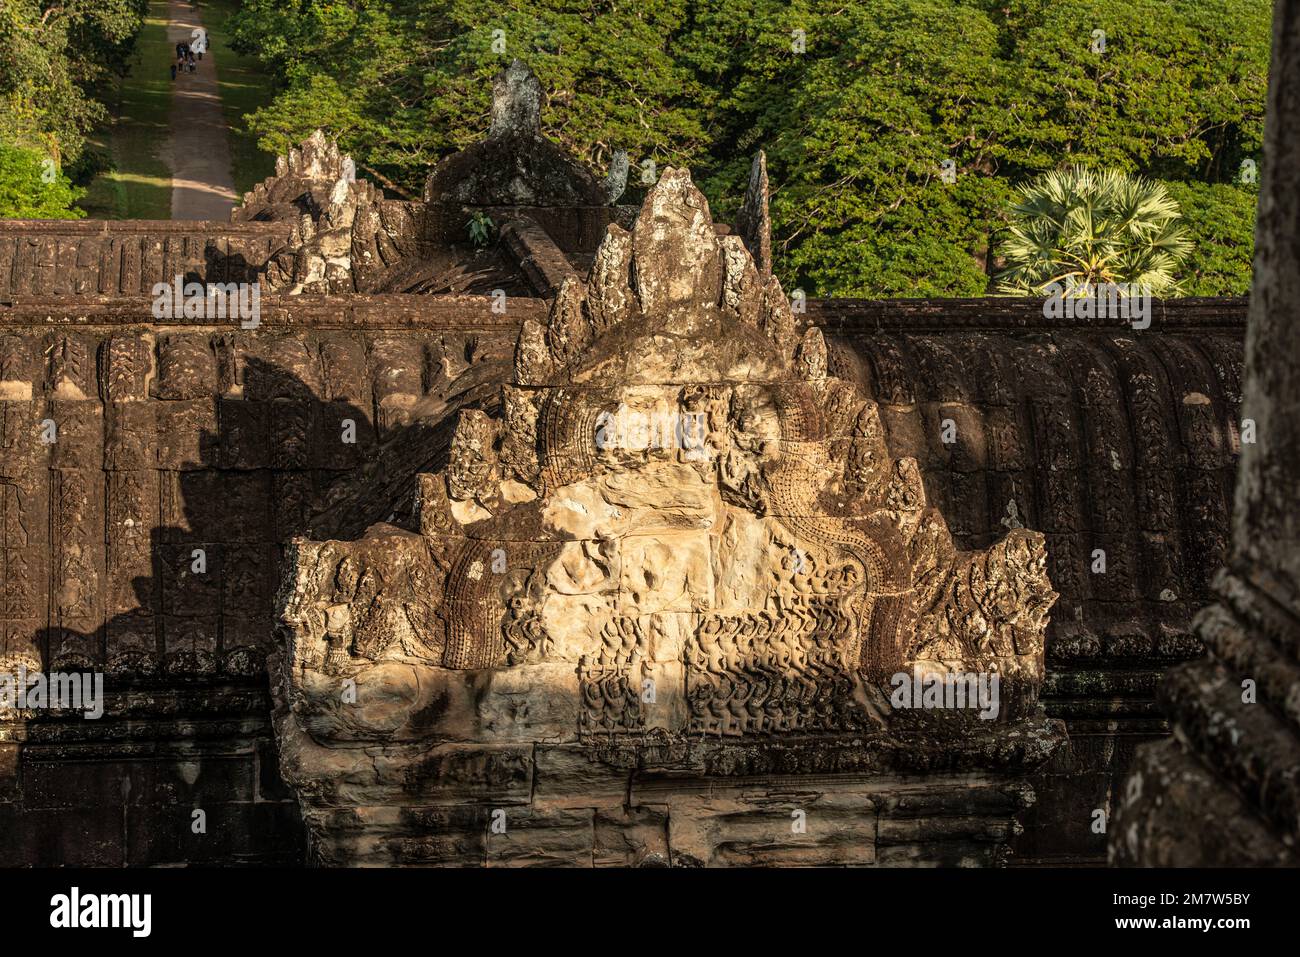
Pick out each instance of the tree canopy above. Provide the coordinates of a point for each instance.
(31, 187)
(896, 131)
(56, 60)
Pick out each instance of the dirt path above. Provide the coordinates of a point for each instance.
(202, 186)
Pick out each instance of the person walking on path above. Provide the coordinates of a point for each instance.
(198, 150)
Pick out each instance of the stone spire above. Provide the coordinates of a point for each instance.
(516, 102)
(754, 223)
(1224, 790)
(338, 229)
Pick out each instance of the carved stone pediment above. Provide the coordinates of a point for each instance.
(680, 532)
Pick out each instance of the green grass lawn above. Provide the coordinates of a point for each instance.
(140, 187)
(243, 90)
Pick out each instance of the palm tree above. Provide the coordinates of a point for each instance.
(1079, 228)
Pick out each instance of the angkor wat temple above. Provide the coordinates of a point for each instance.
(395, 574)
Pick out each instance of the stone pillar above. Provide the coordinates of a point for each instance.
(1225, 789)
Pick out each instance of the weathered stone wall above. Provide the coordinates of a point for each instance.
(171, 439)
(176, 437)
(122, 790)
(126, 258)
(1125, 441)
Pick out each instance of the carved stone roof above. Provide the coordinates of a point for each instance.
(515, 165)
(539, 205)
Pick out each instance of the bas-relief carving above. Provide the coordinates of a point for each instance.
(765, 572)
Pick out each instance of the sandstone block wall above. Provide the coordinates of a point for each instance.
(1122, 441)
(172, 439)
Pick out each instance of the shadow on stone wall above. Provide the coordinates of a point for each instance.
(186, 721)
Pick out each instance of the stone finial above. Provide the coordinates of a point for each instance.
(616, 179)
(674, 269)
(812, 355)
(568, 330)
(516, 101)
(609, 296)
(515, 165)
(318, 157)
(533, 361)
(676, 260)
(776, 318)
(472, 461)
(742, 289)
(336, 221)
(309, 178)
(754, 223)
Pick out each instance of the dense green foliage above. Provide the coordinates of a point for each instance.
(57, 58)
(858, 112)
(897, 131)
(1077, 228)
(1220, 224)
(32, 188)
